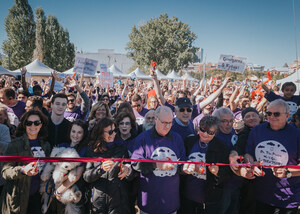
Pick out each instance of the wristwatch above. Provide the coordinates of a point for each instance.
(288, 174)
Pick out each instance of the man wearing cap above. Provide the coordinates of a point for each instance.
(276, 143)
(182, 123)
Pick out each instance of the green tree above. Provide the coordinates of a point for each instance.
(39, 50)
(59, 51)
(165, 40)
(20, 30)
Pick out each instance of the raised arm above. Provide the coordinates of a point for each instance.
(23, 79)
(157, 89)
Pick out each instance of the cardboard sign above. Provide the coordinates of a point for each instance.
(85, 65)
(106, 79)
(232, 63)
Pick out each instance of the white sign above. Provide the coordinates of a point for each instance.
(85, 65)
(106, 79)
(232, 63)
(58, 86)
(103, 68)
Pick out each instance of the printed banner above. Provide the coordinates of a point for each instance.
(103, 68)
(85, 66)
(106, 79)
(232, 63)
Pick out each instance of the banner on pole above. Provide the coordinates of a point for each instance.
(106, 79)
(232, 63)
(85, 66)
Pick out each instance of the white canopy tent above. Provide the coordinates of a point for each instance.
(160, 75)
(4, 71)
(174, 76)
(137, 73)
(187, 76)
(116, 71)
(295, 78)
(37, 68)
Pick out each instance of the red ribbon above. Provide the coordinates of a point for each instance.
(27, 159)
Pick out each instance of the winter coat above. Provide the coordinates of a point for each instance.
(108, 194)
(15, 194)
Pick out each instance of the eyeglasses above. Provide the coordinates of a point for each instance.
(276, 114)
(227, 121)
(166, 123)
(71, 100)
(36, 123)
(207, 131)
(138, 105)
(124, 123)
(150, 118)
(185, 109)
(105, 99)
(110, 132)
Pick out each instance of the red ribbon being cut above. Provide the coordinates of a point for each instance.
(27, 159)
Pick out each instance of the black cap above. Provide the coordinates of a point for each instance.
(183, 102)
(248, 109)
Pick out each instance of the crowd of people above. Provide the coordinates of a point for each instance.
(239, 142)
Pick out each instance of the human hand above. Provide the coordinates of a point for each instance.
(279, 172)
(70, 82)
(107, 165)
(214, 169)
(165, 166)
(246, 172)
(233, 161)
(189, 168)
(125, 171)
(30, 169)
(23, 71)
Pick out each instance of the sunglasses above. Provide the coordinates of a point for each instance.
(124, 123)
(110, 132)
(185, 109)
(36, 123)
(276, 114)
(105, 99)
(71, 100)
(207, 131)
(150, 118)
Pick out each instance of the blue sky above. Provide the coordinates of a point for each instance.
(261, 30)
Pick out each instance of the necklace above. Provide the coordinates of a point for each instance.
(203, 146)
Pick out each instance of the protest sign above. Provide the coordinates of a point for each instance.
(106, 79)
(232, 63)
(103, 68)
(85, 65)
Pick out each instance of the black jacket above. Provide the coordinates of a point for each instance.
(108, 194)
(58, 134)
(240, 145)
(217, 152)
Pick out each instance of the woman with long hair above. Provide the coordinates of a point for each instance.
(21, 192)
(99, 111)
(108, 188)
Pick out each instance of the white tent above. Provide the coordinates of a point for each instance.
(187, 76)
(137, 73)
(174, 76)
(4, 71)
(36, 68)
(160, 75)
(116, 71)
(295, 78)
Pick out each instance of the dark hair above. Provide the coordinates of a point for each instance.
(59, 95)
(125, 107)
(136, 98)
(95, 108)
(209, 121)
(97, 142)
(37, 101)
(9, 92)
(36, 88)
(25, 93)
(84, 140)
(286, 84)
(104, 95)
(71, 94)
(21, 129)
(124, 114)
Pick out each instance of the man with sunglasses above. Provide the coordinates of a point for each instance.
(275, 143)
(159, 182)
(74, 112)
(138, 109)
(182, 123)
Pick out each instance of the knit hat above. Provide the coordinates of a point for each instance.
(248, 109)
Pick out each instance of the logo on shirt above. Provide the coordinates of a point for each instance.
(293, 108)
(234, 139)
(38, 152)
(163, 153)
(198, 157)
(271, 153)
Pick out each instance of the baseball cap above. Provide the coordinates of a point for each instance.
(183, 102)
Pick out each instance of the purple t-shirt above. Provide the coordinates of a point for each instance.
(194, 186)
(75, 115)
(19, 109)
(140, 115)
(276, 148)
(159, 190)
(182, 130)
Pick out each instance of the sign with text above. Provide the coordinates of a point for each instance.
(232, 63)
(106, 79)
(85, 65)
(103, 67)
